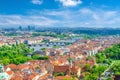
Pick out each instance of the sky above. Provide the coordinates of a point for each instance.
(60, 13)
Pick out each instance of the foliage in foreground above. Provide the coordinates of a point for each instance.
(16, 54)
(104, 58)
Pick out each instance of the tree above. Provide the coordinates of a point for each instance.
(43, 49)
(59, 74)
(14, 54)
(87, 67)
(5, 61)
(35, 56)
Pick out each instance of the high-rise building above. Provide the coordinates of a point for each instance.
(20, 28)
(29, 28)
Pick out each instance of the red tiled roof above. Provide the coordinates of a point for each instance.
(65, 69)
(32, 76)
(12, 66)
(61, 68)
(23, 66)
(63, 78)
(9, 72)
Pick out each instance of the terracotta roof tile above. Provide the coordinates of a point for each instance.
(9, 72)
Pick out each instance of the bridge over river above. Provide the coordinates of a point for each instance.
(60, 43)
(49, 45)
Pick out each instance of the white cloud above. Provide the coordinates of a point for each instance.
(9, 20)
(84, 17)
(96, 17)
(100, 17)
(38, 2)
(85, 11)
(68, 3)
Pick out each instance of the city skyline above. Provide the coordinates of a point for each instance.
(60, 13)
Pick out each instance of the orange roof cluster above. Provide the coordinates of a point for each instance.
(9, 72)
(29, 70)
(64, 78)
